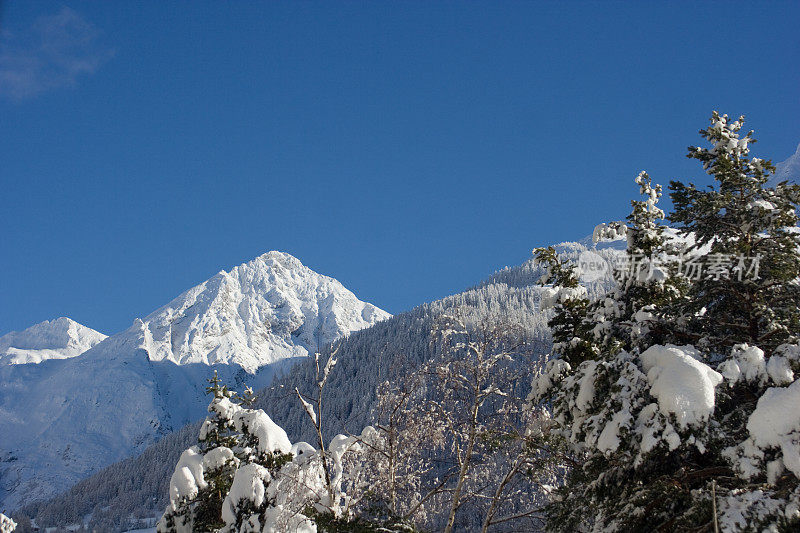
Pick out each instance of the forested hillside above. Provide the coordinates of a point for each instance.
(391, 348)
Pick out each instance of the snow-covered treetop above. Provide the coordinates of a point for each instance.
(609, 231)
(724, 134)
(652, 194)
(6, 524)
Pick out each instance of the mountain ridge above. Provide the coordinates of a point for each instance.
(788, 169)
(60, 338)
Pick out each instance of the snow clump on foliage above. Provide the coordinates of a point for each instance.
(683, 385)
(6, 524)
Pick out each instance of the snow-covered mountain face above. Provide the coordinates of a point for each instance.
(61, 420)
(61, 338)
(261, 312)
(788, 170)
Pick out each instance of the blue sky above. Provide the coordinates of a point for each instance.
(408, 149)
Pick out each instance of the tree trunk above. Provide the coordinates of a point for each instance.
(462, 474)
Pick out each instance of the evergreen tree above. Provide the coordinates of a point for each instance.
(640, 310)
(568, 325)
(230, 438)
(661, 440)
(751, 231)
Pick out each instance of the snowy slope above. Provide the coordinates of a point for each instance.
(788, 169)
(60, 338)
(61, 420)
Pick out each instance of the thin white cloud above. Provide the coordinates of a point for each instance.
(54, 52)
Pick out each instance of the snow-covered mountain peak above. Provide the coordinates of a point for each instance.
(281, 259)
(59, 338)
(268, 309)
